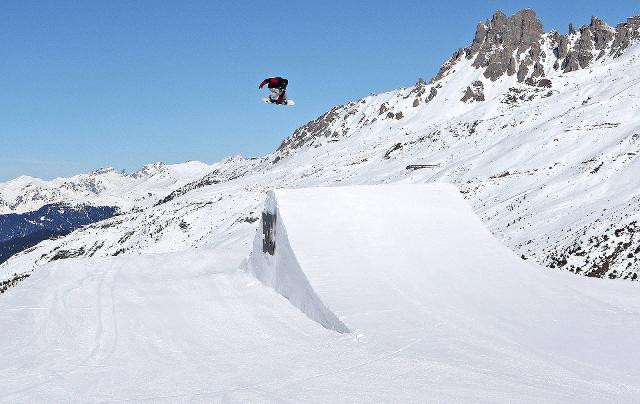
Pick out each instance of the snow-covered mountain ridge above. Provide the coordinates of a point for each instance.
(105, 186)
(541, 132)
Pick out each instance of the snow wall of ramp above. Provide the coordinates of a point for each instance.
(275, 264)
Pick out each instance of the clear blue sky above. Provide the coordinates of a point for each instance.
(89, 84)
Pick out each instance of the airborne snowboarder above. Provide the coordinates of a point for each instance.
(278, 87)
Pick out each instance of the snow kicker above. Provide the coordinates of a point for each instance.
(338, 251)
(407, 262)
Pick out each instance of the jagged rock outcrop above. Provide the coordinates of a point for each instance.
(319, 127)
(475, 92)
(602, 33)
(596, 37)
(581, 54)
(499, 43)
(517, 45)
(447, 66)
(625, 33)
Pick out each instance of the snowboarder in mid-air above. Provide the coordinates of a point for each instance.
(278, 87)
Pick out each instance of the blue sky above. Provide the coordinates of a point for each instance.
(90, 84)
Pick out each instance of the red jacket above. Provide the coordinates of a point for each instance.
(275, 82)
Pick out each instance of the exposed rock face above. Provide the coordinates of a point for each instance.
(597, 37)
(500, 42)
(475, 92)
(319, 127)
(432, 94)
(593, 42)
(602, 33)
(515, 45)
(418, 91)
(581, 54)
(625, 33)
(449, 64)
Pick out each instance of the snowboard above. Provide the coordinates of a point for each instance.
(268, 101)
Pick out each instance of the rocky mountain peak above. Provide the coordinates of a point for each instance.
(522, 28)
(499, 42)
(518, 45)
(149, 170)
(104, 170)
(597, 22)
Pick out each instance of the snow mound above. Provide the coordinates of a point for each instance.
(360, 248)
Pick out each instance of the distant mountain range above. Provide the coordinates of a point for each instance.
(106, 187)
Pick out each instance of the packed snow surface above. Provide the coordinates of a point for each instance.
(394, 293)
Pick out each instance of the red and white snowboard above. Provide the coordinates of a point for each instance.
(268, 101)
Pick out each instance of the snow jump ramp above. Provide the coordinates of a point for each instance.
(411, 267)
(337, 252)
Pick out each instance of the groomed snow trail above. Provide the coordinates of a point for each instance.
(433, 309)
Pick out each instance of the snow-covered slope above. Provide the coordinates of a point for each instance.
(541, 138)
(437, 309)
